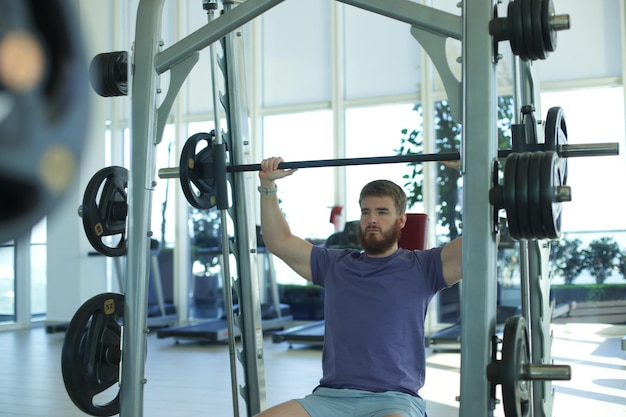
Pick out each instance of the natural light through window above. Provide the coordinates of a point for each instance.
(307, 196)
(593, 116)
(370, 132)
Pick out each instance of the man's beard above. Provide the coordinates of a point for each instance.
(373, 245)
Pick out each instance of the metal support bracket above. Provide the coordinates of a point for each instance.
(435, 46)
(178, 75)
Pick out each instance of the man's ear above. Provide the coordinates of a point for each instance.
(402, 220)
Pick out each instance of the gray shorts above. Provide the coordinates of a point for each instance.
(325, 402)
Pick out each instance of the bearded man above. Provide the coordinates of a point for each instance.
(375, 304)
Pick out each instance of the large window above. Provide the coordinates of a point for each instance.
(7, 281)
(593, 116)
(12, 270)
(588, 263)
(306, 197)
(376, 131)
(38, 273)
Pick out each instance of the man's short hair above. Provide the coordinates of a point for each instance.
(385, 188)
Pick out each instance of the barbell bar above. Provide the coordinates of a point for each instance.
(564, 151)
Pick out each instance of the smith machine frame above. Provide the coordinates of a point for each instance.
(431, 27)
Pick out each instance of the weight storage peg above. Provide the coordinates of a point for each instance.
(514, 371)
(530, 27)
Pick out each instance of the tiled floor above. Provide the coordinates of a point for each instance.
(193, 380)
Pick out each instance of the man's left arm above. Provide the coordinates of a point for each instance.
(452, 261)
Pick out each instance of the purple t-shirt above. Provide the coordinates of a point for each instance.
(374, 312)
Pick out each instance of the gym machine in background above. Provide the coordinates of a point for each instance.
(532, 192)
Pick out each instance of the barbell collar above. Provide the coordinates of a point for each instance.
(560, 22)
(562, 194)
(168, 173)
(546, 372)
(589, 149)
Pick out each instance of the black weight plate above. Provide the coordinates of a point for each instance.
(534, 195)
(509, 199)
(518, 29)
(104, 211)
(555, 129)
(521, 195)
(549, 34)
(44, 121)
(556, 135)
(551, 210)
(513, 39)
(196, 178)
(527, 27)
(91, 353)
(538, 44)
(515, 354)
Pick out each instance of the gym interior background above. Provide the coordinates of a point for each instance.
(326, 80)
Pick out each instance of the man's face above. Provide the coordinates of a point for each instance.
(380, 225)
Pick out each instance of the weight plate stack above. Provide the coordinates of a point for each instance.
(531, 194)
(108, 73)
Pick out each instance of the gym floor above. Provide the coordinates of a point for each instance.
(193, 380)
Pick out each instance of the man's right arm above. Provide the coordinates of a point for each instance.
(277, 235)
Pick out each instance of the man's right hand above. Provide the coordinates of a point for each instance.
(270, 171)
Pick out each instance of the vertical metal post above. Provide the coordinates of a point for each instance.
(479, 147)
(540, 317)
(211, 6)
(250, 323)
(526, 93)
(622, 20)
(140, 186)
